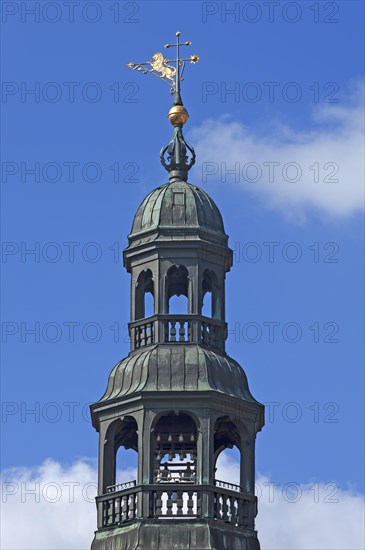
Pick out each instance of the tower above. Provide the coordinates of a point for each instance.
(177, 399)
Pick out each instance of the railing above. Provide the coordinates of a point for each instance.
(121, 486)
(118, 507)
(175, 500)
(178, 329)
(232, 508)
(143, 334)
(229, 486)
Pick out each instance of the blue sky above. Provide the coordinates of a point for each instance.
(92, 115)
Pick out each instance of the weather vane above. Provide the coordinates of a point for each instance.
(160, 67)
(180, 155)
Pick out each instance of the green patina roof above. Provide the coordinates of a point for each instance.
(177, 368)
(178, 204)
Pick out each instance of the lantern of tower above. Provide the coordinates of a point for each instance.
(177, 399)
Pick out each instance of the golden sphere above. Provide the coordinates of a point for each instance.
(178, 115)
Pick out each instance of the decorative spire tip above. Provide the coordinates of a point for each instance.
(178, 164)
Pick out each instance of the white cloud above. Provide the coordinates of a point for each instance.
(332, 150)
(294, 516)
(61, 514)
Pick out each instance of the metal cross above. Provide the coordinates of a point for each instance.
(160, 67)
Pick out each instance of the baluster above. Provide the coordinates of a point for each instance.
(144, 335)
(111, 511)
(190, 503)
(179, 503)
(234, 510)
(124, 508)
(105, 513)
(132, 506)
(172, 331)
(158, 503)
(216, 506)
(198, 503)
(152, 334)
(225, 508)
(205, 333)
(117, 510)
(169, 502)
(209, 333)
(182, 331)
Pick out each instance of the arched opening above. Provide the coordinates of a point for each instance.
(227, 466)
(175, 462)
(121, 445)
(175, 449)
(144, 296)
(178, 305)
(227, 452)
(211, 296)
(177, 290)
(126, 464)
(149, 304)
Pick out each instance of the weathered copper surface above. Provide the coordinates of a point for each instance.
(177, 368)
(178, 204)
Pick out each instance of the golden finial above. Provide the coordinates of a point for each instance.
(178, 115)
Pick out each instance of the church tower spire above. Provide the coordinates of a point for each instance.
(177, 399)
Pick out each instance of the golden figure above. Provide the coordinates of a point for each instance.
(164, 71)
(160, 66)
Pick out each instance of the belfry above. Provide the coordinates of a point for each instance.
(177, 399)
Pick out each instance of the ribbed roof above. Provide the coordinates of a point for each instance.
(178, 204)
(177, 368)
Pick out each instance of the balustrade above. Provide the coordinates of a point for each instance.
(177, 329)
(143, 334)
(176, 503)
(229, 486)
(175, 500)
(119, 508)
(121, 486)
